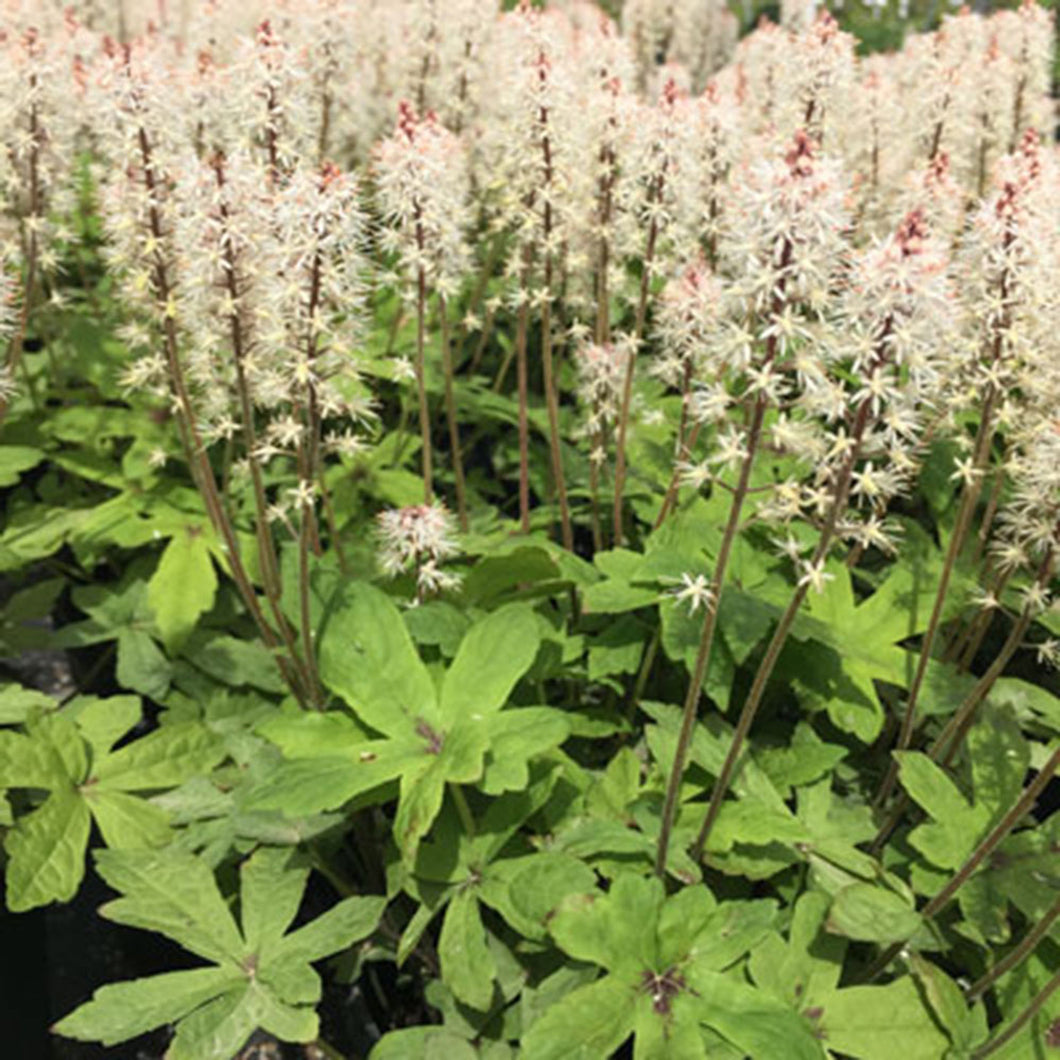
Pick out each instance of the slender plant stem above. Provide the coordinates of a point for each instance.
(969, 499)
(1023, 805)
(840, 496)
(946, 743)
(651, 650)
(450, 415)
(594, 504)
(463, 810)
(992, 505)
(482, 342)
(551, 393)
(305, 615)
(1016, 955)
(195, 451)
(521, 328)
(701, 667)
(605, 198)
(421, 381)
(675, 479)
(270, 567)
(1019, 1022)
(552, 402)
(627, 383)
(333, 524)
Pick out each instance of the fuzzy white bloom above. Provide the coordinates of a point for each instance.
(422, 183)
(417, 540)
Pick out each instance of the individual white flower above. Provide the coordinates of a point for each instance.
(694, 590)
(815, 576)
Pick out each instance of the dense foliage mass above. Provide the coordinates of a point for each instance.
(578, 499)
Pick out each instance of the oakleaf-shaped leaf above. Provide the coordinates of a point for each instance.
(174, 894)
(264, 980)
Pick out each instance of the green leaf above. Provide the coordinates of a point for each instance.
(263, 981)
(104, 721)
(310, 785)
(588, 1024)
(219, 1029)
(162, 759)
(270, 893)
(29, 763)
(468, 967)
(881, 1023)
(233, 661)
(142, 667)
(430, 1043)
(956, 825)
(673, 1034)
(341, 926)
(869, 913)
(367, 657)
(515, 737)
(531, 888)
(1000, 758)
(494, 576)
(183, 586)
(495, 652)
(14, 459)
(966, 1026)
(47, 852)
(174, 894)
(17, 702)
(126, 1010)
(616, 930)
(750, 1019)
(126, 821)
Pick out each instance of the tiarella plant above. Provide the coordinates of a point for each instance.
(546, 526)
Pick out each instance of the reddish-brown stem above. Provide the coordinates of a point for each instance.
(1023, 805)
(1017, 955)
(29, 294)
(521, 327)
(195, 451)
(840, 496)
(627, 383)
(675, 479)
(701, 667)
(270, 568)
(450, 415)
(1034, 1006)
(421, 372)
(969, 499)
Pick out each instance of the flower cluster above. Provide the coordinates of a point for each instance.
(416, 540)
